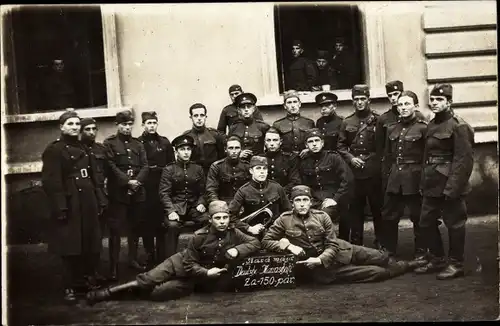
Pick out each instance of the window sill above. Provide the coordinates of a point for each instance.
(308, 97)
(54, 116)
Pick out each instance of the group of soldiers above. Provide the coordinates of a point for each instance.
(248, 185)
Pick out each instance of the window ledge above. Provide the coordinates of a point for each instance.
(308, 97)
(54, 116)
(23, 167)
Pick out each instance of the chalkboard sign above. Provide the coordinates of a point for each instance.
(265, 272)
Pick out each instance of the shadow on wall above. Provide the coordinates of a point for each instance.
(28, 215)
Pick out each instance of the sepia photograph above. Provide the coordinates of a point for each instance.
(265, 162)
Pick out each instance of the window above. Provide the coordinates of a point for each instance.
(55, 59)
(319, 27)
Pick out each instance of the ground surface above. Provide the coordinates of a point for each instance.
(35, 295)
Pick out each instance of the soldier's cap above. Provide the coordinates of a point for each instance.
(322, 54)
(245, 98)
(290, 93)
(124, 116)
(234, 88)
(87, 121)
(149, 115)
(300, 190)
(394, 86)
(258, 160)
(314, 132)
(326, 97)
(297, 43)
(360, 89)
(339, 39)
(218, 206)
(442, 90)
(69, 113)
(183, 140)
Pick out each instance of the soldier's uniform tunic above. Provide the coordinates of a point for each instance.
(224, 178)
(293, 130)
(209, 146)
(301, 74)
(283, 168)
(230, 115)
(251, 132)
(330, 128)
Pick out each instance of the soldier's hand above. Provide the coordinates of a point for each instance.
(215, 271)
(256, 229)
(296, 250)
(316, 88)
(246, 153)
(357, 162)
(310, 262)
(232, 253)
(201, 208)
(304, 152)
(328, 202)
(173, 216)
(284, 243)
(133, 184)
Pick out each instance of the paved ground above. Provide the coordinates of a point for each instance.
(35, 290)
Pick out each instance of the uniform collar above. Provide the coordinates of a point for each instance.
(331, 116)
(302, 217)
(363, 114)
(247, 121)
(69, 139)
(219, 234)
(407, 122)
(123, 137)
(443, 116)
(293, 117)
(259, 185)
(182, 163)
(87, 142)
(394, 110)
(149, 136)
(318, 155)
(273, 154)
(199, 130)
(232, 162)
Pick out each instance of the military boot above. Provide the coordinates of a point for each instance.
(453, 270)
(433, 266)
(109, 293)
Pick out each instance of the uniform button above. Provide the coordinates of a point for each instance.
(400, 147)
(80, 190)
(404, 129)
(272, 166)
(399, 169)
(128, 149)
(72, 156)
(76, 178)
(129, 157)
(361, 136)
(361, 142)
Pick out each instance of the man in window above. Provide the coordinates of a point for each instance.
(449, 161)
(209, 143)
(256, 194)
(325, 75)
(330, 122)
(357, 147)
(293, 126)
(159, 152)
(330, 180)
(128, 166)
(343, 64)
(282, 166)
(58, 88)
(301, 73)
(250, 130)
(227, 175)
(204, 264)
(230, 114)
(182, 188)
(323, 258)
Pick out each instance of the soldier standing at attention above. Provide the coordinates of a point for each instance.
(357, 146)
(69, 178)
(230, 114)
(406, 142)
(293, 127)
(159, 152)
(182, 188)
(250, 130)
(301, 72)
(128, 166)
(329, 123)
(209, 143)
(448, 165)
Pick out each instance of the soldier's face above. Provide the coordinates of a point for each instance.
(233, 95)
(233, 149)
(150, 126)
(328, 108)
(184, 153)
(439, 103)
(89, 132)
(315, 144)
(321, 63)
(406, 107)
(393, 97)
(259, 173)
(360, 102)
(71, 127)
(297, 50)
(292, 105)
(246, 110)
(199, 117)
(272, 141)
(339, 46)
(220, 221)
(58, 65)
(125, 128)
(302, 204)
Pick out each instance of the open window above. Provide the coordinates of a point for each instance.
(332, 28)
(55, 59)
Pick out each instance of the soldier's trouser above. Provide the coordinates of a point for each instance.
(73, 276)
(454, 213)
(174, 229)
(340, 214)
(363, 189)
(393, 210)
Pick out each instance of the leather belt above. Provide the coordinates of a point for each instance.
(405, 160)
(83, 173)
(438, 159)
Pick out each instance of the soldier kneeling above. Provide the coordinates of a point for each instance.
(203, 265)
(309, 234)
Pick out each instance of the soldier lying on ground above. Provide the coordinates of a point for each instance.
(203, 265)
(309, 234)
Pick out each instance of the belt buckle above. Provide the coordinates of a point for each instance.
(84, 173)
(130, 172)
(398, 160)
